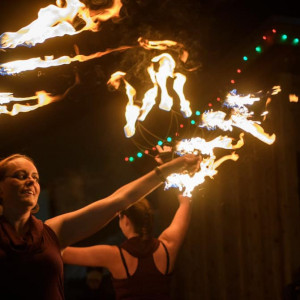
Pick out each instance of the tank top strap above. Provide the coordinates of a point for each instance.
(124, 262)
(168, 258)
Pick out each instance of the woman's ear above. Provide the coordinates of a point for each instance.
(126, 220)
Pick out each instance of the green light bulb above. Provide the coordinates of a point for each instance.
(258, 49)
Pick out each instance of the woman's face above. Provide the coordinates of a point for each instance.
(20, 188)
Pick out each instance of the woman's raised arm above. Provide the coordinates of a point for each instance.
(174, 235)
(75, 226)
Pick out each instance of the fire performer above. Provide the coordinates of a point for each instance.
(31, 265)
(141, 266)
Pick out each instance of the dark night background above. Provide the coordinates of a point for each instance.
(78, 143)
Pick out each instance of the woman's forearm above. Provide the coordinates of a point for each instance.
(75, 226)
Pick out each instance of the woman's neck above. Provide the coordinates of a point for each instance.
(19, 221)
(131, 235)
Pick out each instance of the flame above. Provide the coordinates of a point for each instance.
(165, 45)
(184, 181)
(19, 66)
(197, 144)
(43, 98)
(55, 21)
(159, 78)
(240, 117)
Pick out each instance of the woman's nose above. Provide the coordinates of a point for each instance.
(29, 180)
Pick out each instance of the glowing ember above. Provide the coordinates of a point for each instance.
(54, 21)
(159, 79)
(293, 98)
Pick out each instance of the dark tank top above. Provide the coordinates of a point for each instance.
(30, 267)
(147, 282)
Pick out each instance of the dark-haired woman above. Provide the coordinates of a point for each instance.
(31, 265)
(141, 266)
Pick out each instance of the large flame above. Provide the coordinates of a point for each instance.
(54, 21)
(208, 166)
(159, 78)
(240, 117)
(18, 66)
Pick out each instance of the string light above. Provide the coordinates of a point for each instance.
(284, 37)
(258, 49)
(295, 41)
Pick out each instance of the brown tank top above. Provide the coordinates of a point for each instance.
(147, 282)
(30, 267)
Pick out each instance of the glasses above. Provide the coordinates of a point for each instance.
(22, 175)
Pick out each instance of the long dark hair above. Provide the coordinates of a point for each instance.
(141, 216)
(3, 168)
